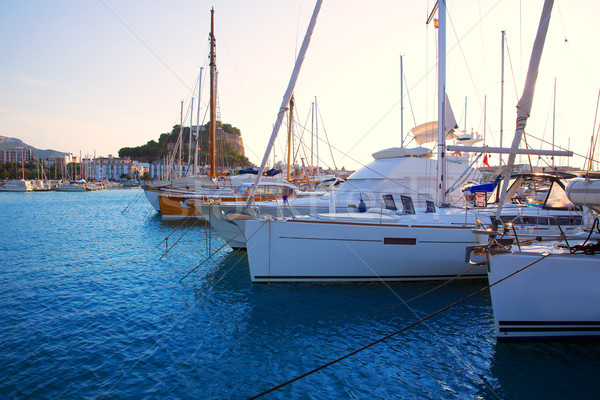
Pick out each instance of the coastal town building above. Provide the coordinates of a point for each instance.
(110, 168)
(17, 154)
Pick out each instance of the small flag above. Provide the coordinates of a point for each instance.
(485, 160)
(436, 23)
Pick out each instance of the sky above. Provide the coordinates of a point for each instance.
(93, 76)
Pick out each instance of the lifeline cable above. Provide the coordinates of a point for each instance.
(393, 333)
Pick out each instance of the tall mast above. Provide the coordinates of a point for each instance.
(189, 163)
(180, 138)
(401, 103)
(289, 149)
(502, 94)
(441, 162)
(198, 124)
(317, 133)
(213, 94)
(553, 120)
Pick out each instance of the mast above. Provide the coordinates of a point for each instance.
(287, 96)
(189, 163)
(401, 103)
(317, 134)
(198, 124)
(484, 118)
(213, 94)
(441, 162)
(179, 174)
(289, 149)
(502, 94)
(524, 105)
(553, 120)
(312, 136)
(465, 113)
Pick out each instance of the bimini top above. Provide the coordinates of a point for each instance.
(396, 152)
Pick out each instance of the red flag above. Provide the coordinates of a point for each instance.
(485, 160)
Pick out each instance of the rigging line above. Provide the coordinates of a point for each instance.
(512, 71)
(181, 237)
(327, 139)
(404, 302)
(300, 138)
(132, 201)
(560, 147)
(459, 41)
(441, 339)
(144, 43)
(219, 249)
(422, 78)
(372, 127)
(562, 23)
(405, 328)
(412, 110)
(156, 345)
(185, 221)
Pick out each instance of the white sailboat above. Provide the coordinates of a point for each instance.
(17, 185)
(393, 172)
(548, 289)
(396, 241)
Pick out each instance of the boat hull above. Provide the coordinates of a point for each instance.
(556, 297)
(177, 207)
(347, 251)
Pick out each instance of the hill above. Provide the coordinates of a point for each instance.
(229, 146)
(11, 143)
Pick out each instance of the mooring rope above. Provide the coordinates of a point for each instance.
(132, 201)
(181, 237)
(404, 302)
(394, 333)
(185, 221)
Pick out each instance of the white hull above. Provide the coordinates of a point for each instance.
(557, 297)
(220, 216)
(71, 188)
(152, 196)
(360, 248)
(16, 186)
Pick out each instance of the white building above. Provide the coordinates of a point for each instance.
(111, 168)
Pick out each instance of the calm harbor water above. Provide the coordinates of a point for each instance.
(89, 309)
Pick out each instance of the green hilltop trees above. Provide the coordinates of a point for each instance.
(227, 155)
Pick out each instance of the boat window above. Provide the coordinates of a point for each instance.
(407, 204)
(389, 202)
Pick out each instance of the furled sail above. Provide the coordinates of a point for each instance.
(428, 132)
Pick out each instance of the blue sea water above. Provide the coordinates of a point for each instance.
(92, 306)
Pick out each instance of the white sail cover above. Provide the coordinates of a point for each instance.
(395, 152)
(428, 132)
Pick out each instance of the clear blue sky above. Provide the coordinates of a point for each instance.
(97, 75)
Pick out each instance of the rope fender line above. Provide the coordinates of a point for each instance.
(323, 366)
